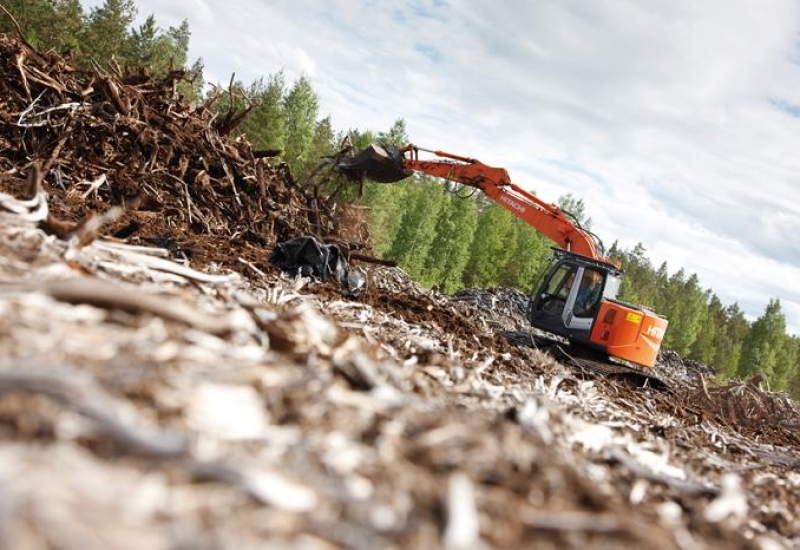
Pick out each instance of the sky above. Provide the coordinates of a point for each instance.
(676, 121)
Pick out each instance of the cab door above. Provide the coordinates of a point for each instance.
(577, 319)
(548, 307)
(556, 306)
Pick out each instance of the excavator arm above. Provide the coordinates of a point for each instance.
(388, 165)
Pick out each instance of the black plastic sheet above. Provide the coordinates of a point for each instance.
(308, 257)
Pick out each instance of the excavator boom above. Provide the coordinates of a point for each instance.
(387, 165)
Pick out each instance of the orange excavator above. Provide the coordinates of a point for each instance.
(577, 298)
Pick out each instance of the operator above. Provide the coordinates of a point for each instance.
(589, 293)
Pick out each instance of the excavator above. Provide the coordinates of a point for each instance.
(577, 298)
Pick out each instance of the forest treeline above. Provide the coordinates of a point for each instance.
(441, 234)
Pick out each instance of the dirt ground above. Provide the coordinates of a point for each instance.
(162, 385)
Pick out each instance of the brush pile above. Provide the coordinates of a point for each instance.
(105, 138)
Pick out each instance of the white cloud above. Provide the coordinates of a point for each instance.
(673, 119)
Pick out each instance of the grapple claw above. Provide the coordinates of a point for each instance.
(382, 164)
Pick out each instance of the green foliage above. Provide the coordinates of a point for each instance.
(686, 305)
(702, 349)
(282, 120)
(576, 208)
(454, 233)
(149, 47)
(386, 207)
(105, 33)
(639, 283)
(361, 140)
(424, 199)
(300, 108)
(492, 247)
(397, 134)
(323, 143)
(762, 347)
(786, 366)
(46, 24)
(266, 126)
(793, 347)
(731, 330)
(529, 260)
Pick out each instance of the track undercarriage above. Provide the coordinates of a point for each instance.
(586, 360)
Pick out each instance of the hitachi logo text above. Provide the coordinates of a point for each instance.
(513, 204)
(655, 331)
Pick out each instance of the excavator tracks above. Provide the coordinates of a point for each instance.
(585, 360)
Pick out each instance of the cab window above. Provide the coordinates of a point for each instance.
(589, 292)
(561, 281)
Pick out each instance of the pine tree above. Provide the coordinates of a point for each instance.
(155, 50)
(46, 24)
(761, 348)
(323, 142)
(386, 204)
(105, 34)
(575, 208)
(272, 115)
(685, 316)
(265, 127)
(65, 30)
(179, 38)
(491, 249)
(786, 364)
(673, 298)
(300, 112)
(423, 201)
(243, 97)
(794, 381)
(529, 260)
(731, 332)
(702, 349)
(361, 140)
(455, 231)
(397, 134)
(639, 283)
(614, 252)
(661, 284)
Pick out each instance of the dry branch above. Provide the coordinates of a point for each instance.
(107, 295)
(74, 389)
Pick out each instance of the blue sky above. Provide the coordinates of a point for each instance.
(676, 121)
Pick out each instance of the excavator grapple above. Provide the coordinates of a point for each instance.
(382, 164)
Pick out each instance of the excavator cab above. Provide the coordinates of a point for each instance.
(571, 293)
(577, 300)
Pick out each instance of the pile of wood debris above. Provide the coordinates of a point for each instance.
(104, 138)
(150, 402)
